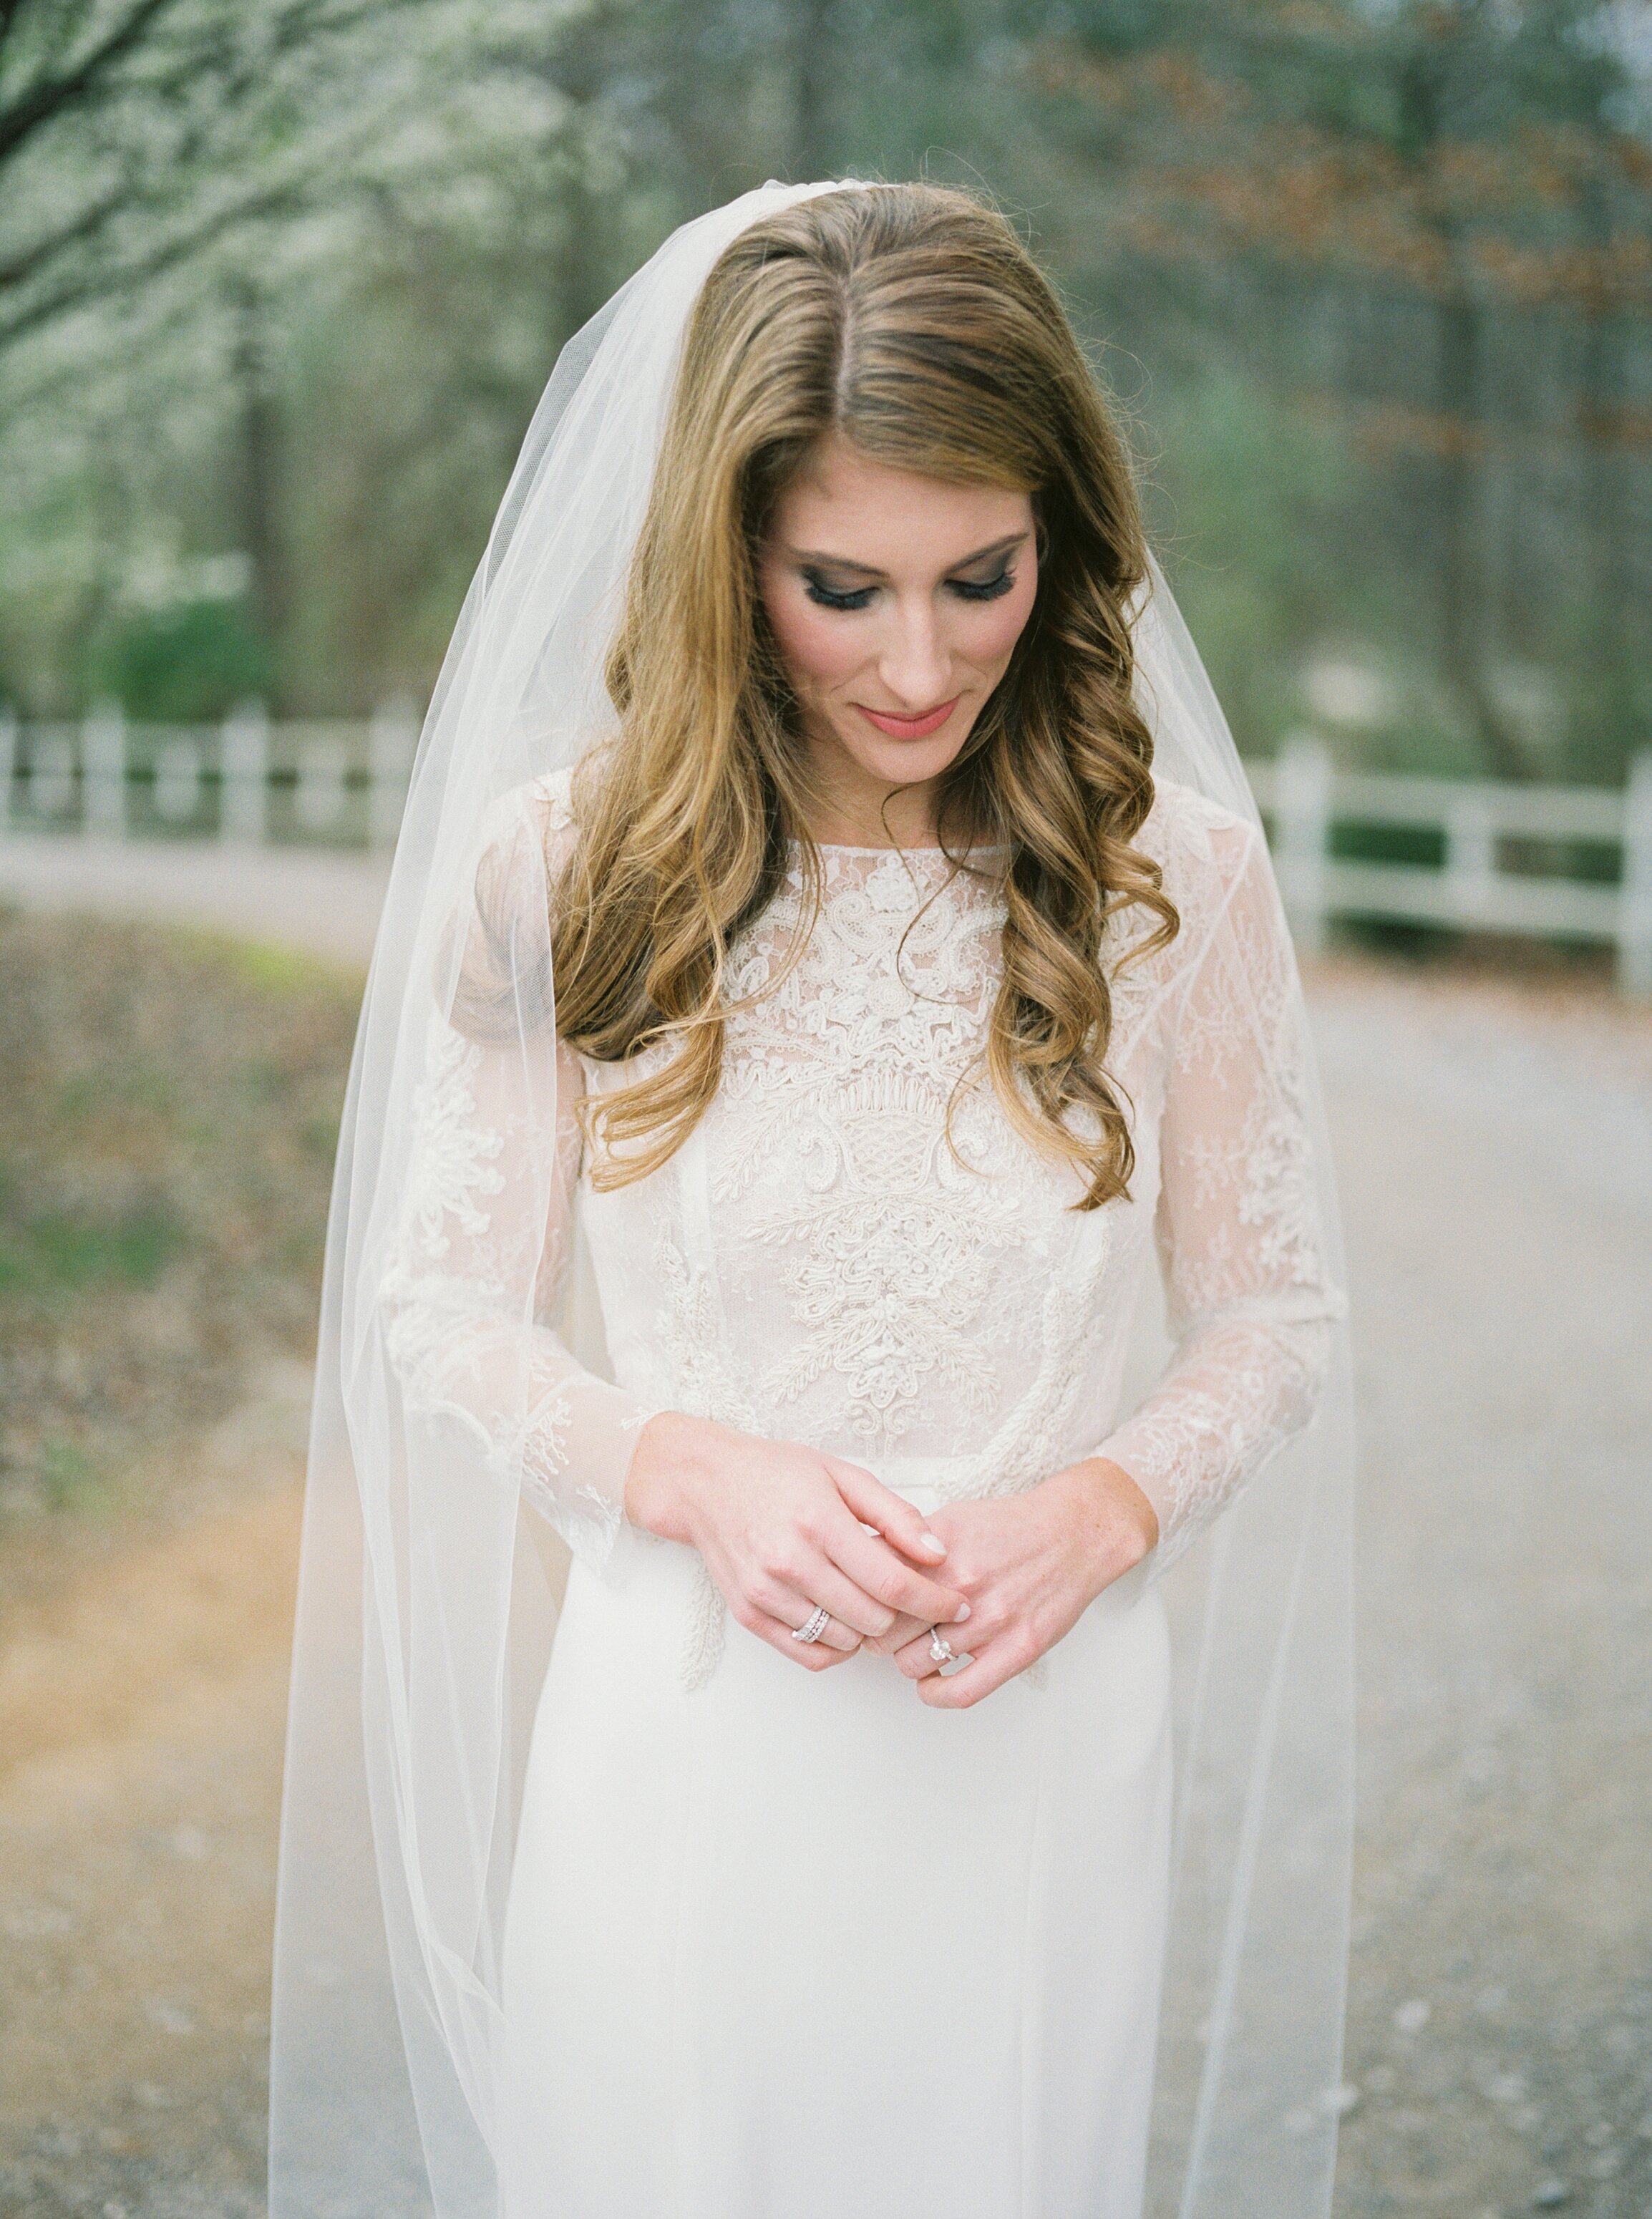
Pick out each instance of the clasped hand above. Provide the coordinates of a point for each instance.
(785, 1529)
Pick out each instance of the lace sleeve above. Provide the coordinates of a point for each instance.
(482, 1251)
(1238, 1223)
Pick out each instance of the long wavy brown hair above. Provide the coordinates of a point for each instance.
(910, 319)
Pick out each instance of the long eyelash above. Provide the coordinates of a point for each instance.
(987, 590)
(819, 591)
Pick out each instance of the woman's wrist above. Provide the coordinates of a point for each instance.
(1118, 1526)
(667, 1466)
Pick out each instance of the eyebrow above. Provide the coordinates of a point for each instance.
(866, 569)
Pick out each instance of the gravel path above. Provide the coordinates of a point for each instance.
(1496, 1152)
(320, 903)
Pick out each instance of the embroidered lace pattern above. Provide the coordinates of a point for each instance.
(830, 1150)
(1236, 1224)
(479, 1263)
(828, 1260)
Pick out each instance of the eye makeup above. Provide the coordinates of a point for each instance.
(983, 589)
(853, 598)
(828, 596)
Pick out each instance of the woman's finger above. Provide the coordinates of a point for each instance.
(793, 1604)
(821, 1582)
(906, 1628)
(997, 1664)
(901, 1525)
(1012, 1651)
(813, 1655)
(795, 1609)
(878, 1571)
(917, 1658)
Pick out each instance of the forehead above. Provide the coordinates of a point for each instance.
(844, 502)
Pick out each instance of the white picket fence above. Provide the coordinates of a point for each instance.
(1504, 850)
(1479, 885)
(247, 781)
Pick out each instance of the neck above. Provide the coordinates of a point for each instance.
(848, 809)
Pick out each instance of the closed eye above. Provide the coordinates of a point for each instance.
(987, 589)
(858, 596)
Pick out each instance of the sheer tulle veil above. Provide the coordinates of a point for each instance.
(427, 1596)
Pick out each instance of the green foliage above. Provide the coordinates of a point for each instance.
(71, 1480)
(1344, 251)
(1249, 493)
(58, 1252)
(181, 666)
(1608, 710)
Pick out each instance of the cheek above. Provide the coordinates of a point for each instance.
(994, 627)
(817, 648)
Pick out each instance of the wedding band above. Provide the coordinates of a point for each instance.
(814, 1625)
(939, 1648)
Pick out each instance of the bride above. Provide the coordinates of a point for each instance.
(830, 955)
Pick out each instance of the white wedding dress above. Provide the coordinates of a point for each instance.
(782, 1946)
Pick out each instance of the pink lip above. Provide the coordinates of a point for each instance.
(910, 728)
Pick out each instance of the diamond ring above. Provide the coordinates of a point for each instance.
(813, 1626)
(939, 1648)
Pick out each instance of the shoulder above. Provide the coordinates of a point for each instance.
(529, 829)
(1205, 850)
(1189, 836)
(1214, 864)
(544, 804)
(552, 795)
(502, 981)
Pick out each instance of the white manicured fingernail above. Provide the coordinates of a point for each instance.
(963, 1612)
(933, 1541)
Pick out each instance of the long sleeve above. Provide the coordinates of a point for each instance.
(481, 1251)
(1239, 1227)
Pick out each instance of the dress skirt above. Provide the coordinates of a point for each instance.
(795, 1946)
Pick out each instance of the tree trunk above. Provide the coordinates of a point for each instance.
(1423, 82)
(582, 273)
(257, 490)
(817, 55)
(1600, 399)
(1461, 581)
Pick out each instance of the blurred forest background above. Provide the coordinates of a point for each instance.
(281, 280)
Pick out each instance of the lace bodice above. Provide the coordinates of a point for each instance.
(825, 1260)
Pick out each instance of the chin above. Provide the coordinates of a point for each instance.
(907, 763)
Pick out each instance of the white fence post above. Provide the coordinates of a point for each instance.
(177, 793)
(7, 763)
(321, 799)
(1470, 856)
(1302, 817)
(1634, 926)
(103, 771)
(392, 742)
(243, 773)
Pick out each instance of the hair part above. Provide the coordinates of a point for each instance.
(910, 320)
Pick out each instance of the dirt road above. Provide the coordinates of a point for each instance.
(141, 1722)
(1496, 1150)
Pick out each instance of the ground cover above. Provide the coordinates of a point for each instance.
(168, 1114)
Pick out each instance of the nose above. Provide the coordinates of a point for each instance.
(915, 665)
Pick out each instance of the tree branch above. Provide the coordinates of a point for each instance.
(90, 221)
(51, 96)
(10, 11)
(98, 283)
